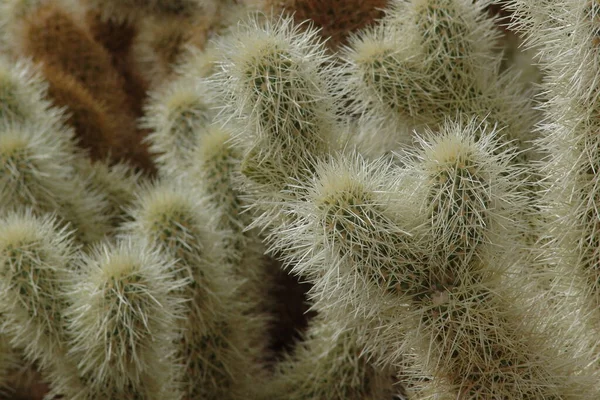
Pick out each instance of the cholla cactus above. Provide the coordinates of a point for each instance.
(473, 206)
(215, 357)
(22, 92)
(122, 320)
(430, 60)
(176, 115)
(423, 266)
(191, 147)
(38, 172)
(37, 154)
(566, 36)
(80, 72)
(36, 258)
(330, 364)
(273, 82)
(215, 163)
(368, 253)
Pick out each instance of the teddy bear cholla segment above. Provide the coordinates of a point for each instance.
(435, 279)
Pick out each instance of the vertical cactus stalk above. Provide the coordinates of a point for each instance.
(22, 93)
(36, 257)
(273, 82)
(191, 148)
(38, 155)
(215, 166)
(437, 287)
(122, 320)
(36, 171)
(174, 115)
(474, 205)
(329, 364)
(353, 238)
(429, 60)
(566, 36)
(217, 360)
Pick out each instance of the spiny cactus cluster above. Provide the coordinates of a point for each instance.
(164, 165)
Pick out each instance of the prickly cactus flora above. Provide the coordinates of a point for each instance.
(213, 356)
(37, 171)
(36, 257)
(472, 189)
(22, 91)
(81, 73)
(566, 36)
(172, 218)
(473, 206)
(179, 112)
(351, 203)
(176, 114)
(198, 63)
(215, 163)
(190, 146)
(273, 82)
(30, 170)
(38, 152)
(123, 321)
(329, 364)
(449, 269)
(116, 37)
(429, 60)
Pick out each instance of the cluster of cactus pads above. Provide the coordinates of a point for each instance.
(163, 162)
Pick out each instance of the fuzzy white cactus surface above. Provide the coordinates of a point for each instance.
(439, 205)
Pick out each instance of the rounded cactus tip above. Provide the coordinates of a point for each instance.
(124, 316)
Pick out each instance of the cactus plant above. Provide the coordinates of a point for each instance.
(444, 226)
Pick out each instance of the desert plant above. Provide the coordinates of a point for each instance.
(446, 228)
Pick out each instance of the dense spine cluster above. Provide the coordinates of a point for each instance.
(431, 60)
(122, 320)
(273, 81)
(160, 160)
(565, 34)
(330, 364)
